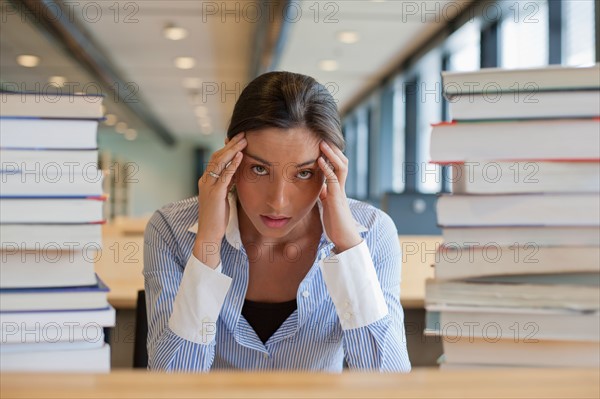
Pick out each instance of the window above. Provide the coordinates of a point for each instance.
(524, 35)
(463, 47)
(578, 32)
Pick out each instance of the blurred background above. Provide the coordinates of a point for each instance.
(171, 72)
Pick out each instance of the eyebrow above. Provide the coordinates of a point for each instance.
(269, 163)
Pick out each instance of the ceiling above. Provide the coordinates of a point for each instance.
(221, 39)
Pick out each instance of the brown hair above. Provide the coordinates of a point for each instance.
(287, 100)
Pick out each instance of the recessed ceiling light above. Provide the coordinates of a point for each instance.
(185, 62)
(328, 65)
(348, 37)
(28, 61)
(110, 120)
(130, 134)
(57, 80)
(121, 127)
(192, 83)
(201, 111)
(173, 32)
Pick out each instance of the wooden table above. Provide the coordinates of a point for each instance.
(421, 383)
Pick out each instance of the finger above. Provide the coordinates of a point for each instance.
(229, 171)
(222, 158)
(330, 176)
(333, 156)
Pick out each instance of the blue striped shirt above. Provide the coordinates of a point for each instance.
(339, 315)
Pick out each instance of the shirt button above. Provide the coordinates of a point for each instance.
(305, 294)
(265, 355)
(206, 320)
(347, 315)
(347, 304)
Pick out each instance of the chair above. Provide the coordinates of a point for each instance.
(140, 351)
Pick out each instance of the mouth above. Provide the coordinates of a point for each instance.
(274, 222)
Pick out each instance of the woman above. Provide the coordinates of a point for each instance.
(271, 266)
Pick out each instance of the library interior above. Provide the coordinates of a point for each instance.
(458, 147)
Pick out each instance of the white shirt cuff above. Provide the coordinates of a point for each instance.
(198, 302)
(352, 282)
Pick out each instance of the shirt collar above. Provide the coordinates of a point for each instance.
(232, 232)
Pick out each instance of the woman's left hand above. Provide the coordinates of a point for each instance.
(337, 219)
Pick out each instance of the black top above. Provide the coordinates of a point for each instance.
(266, 318)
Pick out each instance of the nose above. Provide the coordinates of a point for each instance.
(278, 195)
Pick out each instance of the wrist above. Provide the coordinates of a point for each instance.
(347, 244)
(207, 252)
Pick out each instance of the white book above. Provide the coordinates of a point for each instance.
(515, 141)
(453, 262)
(514, 235)
(525, 177)
(23, 323)
(51, 333)
(54, 298)
(50, 237)
(30, 268)
(512, 323)
(534, 353)
(32, 133)
(51, 345)
(49, 162)
(79, 184)
(63, 361)
(528, 105)
(51, 210)
(547, 78)
(558, 295)
(50, 105)
(519, 210)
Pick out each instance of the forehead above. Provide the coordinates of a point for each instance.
(290, 145)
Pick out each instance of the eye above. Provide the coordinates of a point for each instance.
(305, 174)
(259, 170)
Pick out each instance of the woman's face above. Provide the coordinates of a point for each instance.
(279, 178)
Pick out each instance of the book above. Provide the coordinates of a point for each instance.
(36, 133)
(532, 104)
(48, 162)
(511, 235)
(490, 259)
(51, 210)
(512, 323)
(72, 361)
(510, 80)
(29, 268)
(54, 298)
(519, 210)
(51, 105)
(533, 353)
(20, 323)
(52, 333)
(81, 183)
(52, 345)
(525, 177)
(560, 292)
(512, 141)
(50, 237)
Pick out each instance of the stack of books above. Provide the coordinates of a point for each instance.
(517, 280)
(53, 307)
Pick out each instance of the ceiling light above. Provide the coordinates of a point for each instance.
(111, 119)
(28, 61)
(57, 80)
(121, 127)
(328, 65)
(173, 32)
(130, 134)
(347, 37)
(185, 62)
(192, 83)
(201, 111)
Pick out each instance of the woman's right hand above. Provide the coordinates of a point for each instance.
(213, 206)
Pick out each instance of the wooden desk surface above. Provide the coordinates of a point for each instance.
(421, 383)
